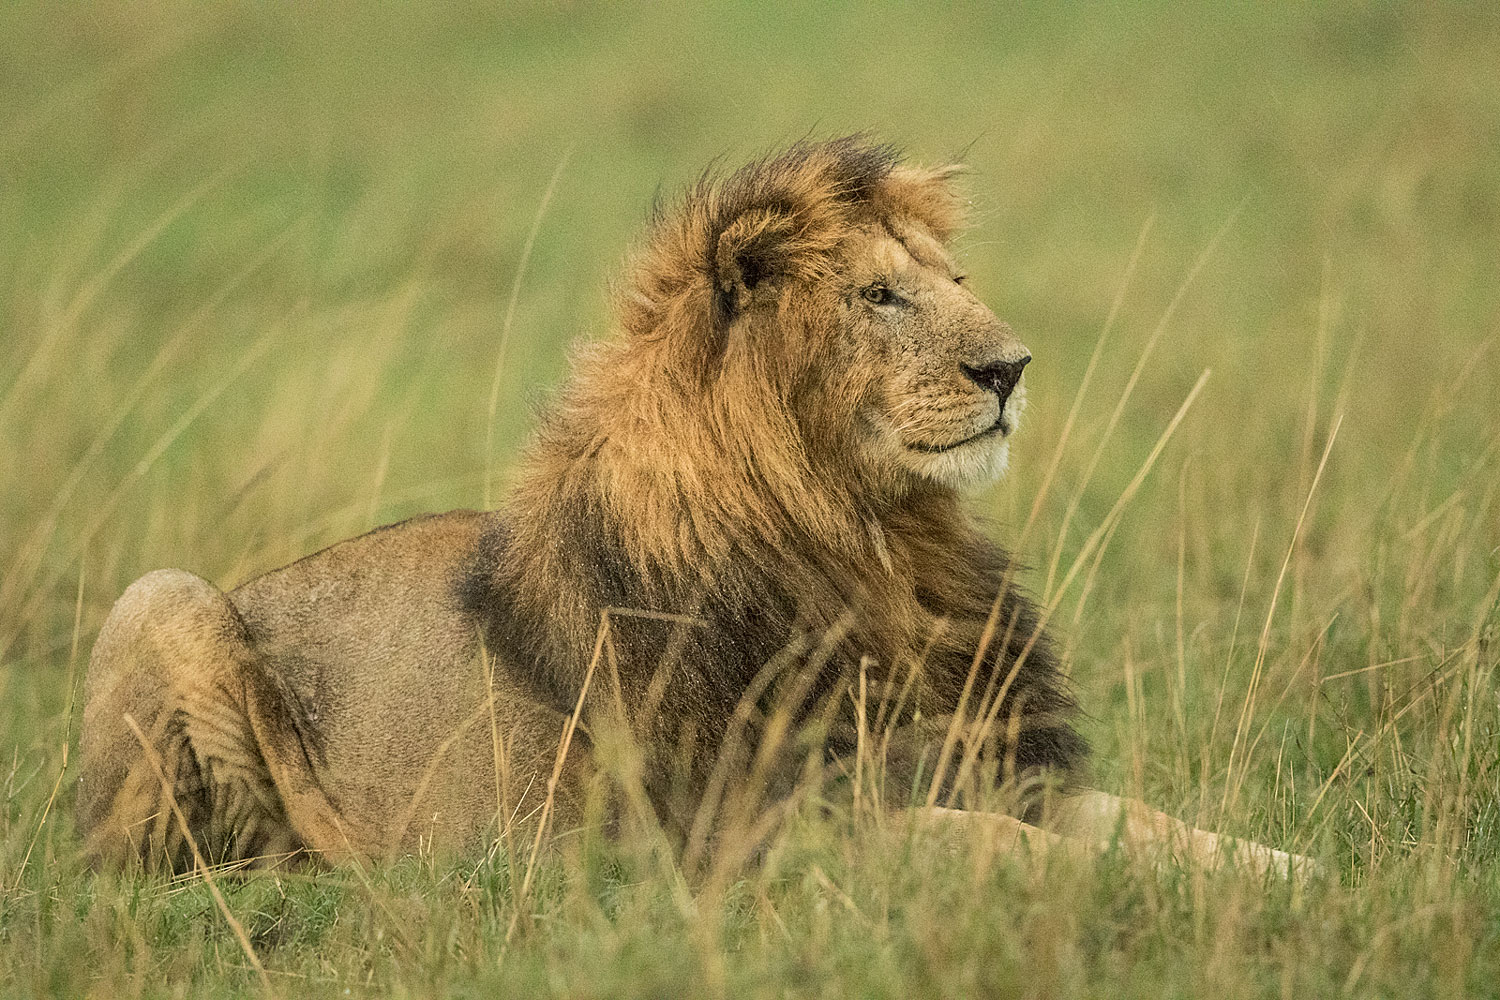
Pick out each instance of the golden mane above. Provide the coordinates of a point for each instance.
(777, 223)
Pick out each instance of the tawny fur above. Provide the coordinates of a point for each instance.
(766, 461)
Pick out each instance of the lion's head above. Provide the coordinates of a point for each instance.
(800, 362)
(820, 282)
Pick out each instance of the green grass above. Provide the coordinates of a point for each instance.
(253, 294)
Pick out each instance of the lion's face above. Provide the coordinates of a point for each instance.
(810, 307)
(940, 375)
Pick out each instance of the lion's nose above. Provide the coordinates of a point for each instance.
(999, 377)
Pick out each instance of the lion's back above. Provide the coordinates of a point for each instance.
(376, 583)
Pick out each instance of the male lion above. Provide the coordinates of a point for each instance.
(742, 510)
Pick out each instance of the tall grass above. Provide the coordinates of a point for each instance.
(259, 270)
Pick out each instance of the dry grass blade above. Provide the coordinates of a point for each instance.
(46, 811)
(510, 315)
(1232, 787)
(552, 782)
(1127, 494)
(1126, 393)
(1066, 434)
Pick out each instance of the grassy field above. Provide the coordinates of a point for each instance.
(262, 269)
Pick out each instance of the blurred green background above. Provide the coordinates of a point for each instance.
(257, 263)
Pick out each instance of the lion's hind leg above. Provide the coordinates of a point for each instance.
(165, 721)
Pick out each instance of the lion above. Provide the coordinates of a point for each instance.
(741, 509)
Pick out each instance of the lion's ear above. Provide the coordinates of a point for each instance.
(926, 194)
(756, 247)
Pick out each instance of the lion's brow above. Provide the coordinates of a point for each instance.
(939, 260)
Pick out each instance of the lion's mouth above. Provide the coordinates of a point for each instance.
(1000, 426)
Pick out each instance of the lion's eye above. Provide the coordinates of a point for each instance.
(959, 279)
(878, 295)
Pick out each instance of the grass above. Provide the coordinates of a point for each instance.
(259, 269)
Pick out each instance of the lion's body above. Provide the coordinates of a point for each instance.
(740, 511)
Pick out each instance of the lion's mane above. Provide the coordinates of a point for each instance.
(685, 472)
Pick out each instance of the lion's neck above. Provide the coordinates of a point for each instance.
(691, 482)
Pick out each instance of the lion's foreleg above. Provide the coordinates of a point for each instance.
(1085, 823)
(999, 832)
(1098, 817)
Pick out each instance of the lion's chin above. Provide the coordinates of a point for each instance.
(966, 467)
(979, 461)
